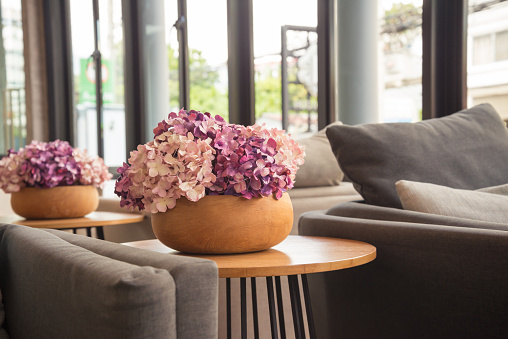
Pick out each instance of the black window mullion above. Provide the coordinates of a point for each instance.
(241, 62)
(183, 55)
(444, 78)
(327, 63)
(133, 72)
(60, 87)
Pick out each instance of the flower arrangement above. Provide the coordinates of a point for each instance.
(51, 164)
(194, 154)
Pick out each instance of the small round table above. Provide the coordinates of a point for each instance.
(295, 256)
(94, 219)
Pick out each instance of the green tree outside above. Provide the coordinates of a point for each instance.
(205, 96)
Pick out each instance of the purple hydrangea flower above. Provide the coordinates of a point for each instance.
(51, 164)
(193, 155)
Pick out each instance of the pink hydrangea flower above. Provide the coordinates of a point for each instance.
(193, 155)
(51, 164)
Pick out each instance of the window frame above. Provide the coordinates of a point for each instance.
(443, 80)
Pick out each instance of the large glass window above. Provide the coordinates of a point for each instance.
(208, 56)
(400, 97)
(298, 21)
(171, 18)
(12, 77)
(487, 77)
(111, 49)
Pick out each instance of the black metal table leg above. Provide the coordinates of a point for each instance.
(254, 307)
(228, 306)
(280, 306)
(308, 307)
(100, 232)
(89, 232)
(296, 306)
(271, 306)
(243, 306)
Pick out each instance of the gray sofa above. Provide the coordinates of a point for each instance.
(437, 274)
(59, 285)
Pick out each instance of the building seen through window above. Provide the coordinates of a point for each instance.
(400, 55)
(12, 77)
(112, 53)
(488, 54)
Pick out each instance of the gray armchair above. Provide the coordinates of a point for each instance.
(60, 285)
(435, 276)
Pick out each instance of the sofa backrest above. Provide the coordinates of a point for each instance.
(60, 285)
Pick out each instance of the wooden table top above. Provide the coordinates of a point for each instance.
(90, 220)
(295, 255)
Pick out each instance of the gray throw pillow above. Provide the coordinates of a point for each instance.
(320, 167)
(452, 202)
(467, 150)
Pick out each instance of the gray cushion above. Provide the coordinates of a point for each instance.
(467, 150)
(320, 167)
(442, 200)
(68, 292)
(500, 189)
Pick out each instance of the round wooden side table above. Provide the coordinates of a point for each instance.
(295, 257)
(94, 219)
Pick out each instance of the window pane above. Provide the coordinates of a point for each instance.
(269, 19)
(401, 59)
(111, 48)
(502, 46)
(482, 51)
(12, 77)
(171, 17)
(208, 55)
(487, 74)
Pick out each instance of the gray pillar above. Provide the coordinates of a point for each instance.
(358, 65)
(155, 64)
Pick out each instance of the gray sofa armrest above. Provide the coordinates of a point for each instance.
(196, 282)
(61, 285)
(428, 281)
(361, 210)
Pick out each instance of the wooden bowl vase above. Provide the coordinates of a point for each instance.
(56, 202)
(224, 224)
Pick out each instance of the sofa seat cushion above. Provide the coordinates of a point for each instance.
(88, 295)
(466, 150)
(442, 200)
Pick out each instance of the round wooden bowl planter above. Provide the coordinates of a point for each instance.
(56, 202)
(224, 224)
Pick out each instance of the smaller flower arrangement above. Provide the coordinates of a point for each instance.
(51, 164)
(194, 154)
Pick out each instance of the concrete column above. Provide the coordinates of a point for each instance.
(358, 34)
(155, 64)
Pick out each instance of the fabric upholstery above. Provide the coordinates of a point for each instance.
(318, 198)
(442, 200)
(428, 281)
(500, 189)
(3, 332)
(463, 150)
(61, 285)
(196, 282)
(320, 167)
(359, 210)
